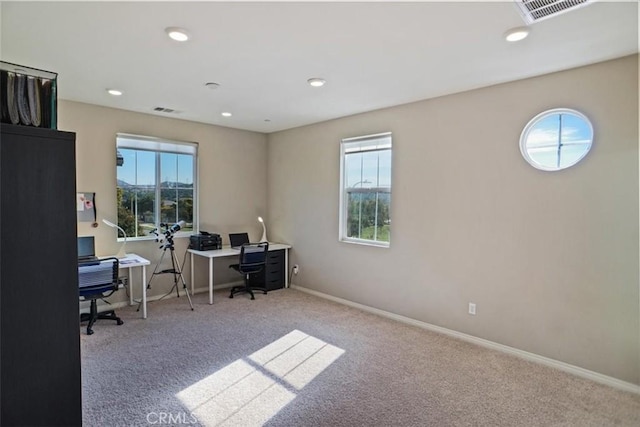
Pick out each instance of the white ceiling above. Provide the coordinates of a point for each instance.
(373, 55)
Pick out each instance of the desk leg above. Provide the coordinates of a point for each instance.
(286, 268)
(210, 280)
(144, 292)
(193, 290)
(130, 285)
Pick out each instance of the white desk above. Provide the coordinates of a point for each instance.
(229, 252)
(132, 261)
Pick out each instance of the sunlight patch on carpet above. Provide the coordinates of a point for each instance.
(250, 392)
(300, 363)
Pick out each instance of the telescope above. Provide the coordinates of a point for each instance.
(174, 228)
(169, 231)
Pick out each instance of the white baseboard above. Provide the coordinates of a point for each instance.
(572, 369)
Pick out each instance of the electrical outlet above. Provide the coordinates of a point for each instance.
(296, 269)
(472, 308)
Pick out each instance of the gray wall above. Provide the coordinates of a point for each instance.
(550, 259)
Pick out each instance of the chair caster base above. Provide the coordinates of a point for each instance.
(242, 289)
(93, 317)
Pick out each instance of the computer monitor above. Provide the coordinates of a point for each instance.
(238, 239)
(86, 247)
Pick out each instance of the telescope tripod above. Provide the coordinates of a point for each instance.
(175, 270)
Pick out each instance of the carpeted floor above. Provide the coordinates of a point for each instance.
(293, 359)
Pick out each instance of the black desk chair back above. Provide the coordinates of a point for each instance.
(253, 257)
(98, 281)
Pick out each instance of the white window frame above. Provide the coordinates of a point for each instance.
(556, 145)
(375, 142)
(161, 145)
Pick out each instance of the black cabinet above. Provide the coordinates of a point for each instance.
(273, 275)
(39, 322)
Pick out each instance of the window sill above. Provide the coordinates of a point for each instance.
(154, 238)
(375, 244)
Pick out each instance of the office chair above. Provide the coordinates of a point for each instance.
(252, 260)
(98, 281)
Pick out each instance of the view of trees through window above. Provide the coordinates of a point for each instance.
(154, 188)
(368, 216)
(367, 189)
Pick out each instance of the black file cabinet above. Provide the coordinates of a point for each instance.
(273, 275)
(39, 323)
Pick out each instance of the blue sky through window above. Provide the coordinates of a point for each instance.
(558, 140)
(139, 167)
(368, 169)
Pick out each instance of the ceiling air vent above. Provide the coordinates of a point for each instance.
(165, 110)
(537, 10)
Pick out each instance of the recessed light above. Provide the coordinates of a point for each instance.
(316, 82)
(114, 92)
(226, 114)
(177, 34)
(212, 85)
(516, 34)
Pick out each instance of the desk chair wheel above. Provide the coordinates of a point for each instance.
(94, 315)
(238, 289)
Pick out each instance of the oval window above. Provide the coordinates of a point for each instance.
(556, 139)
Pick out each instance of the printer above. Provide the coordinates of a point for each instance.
(205, 241)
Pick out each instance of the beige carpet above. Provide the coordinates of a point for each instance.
(292, 359)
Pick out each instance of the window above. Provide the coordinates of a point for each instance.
(556, 139)
(156, 184)
(365, 196)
